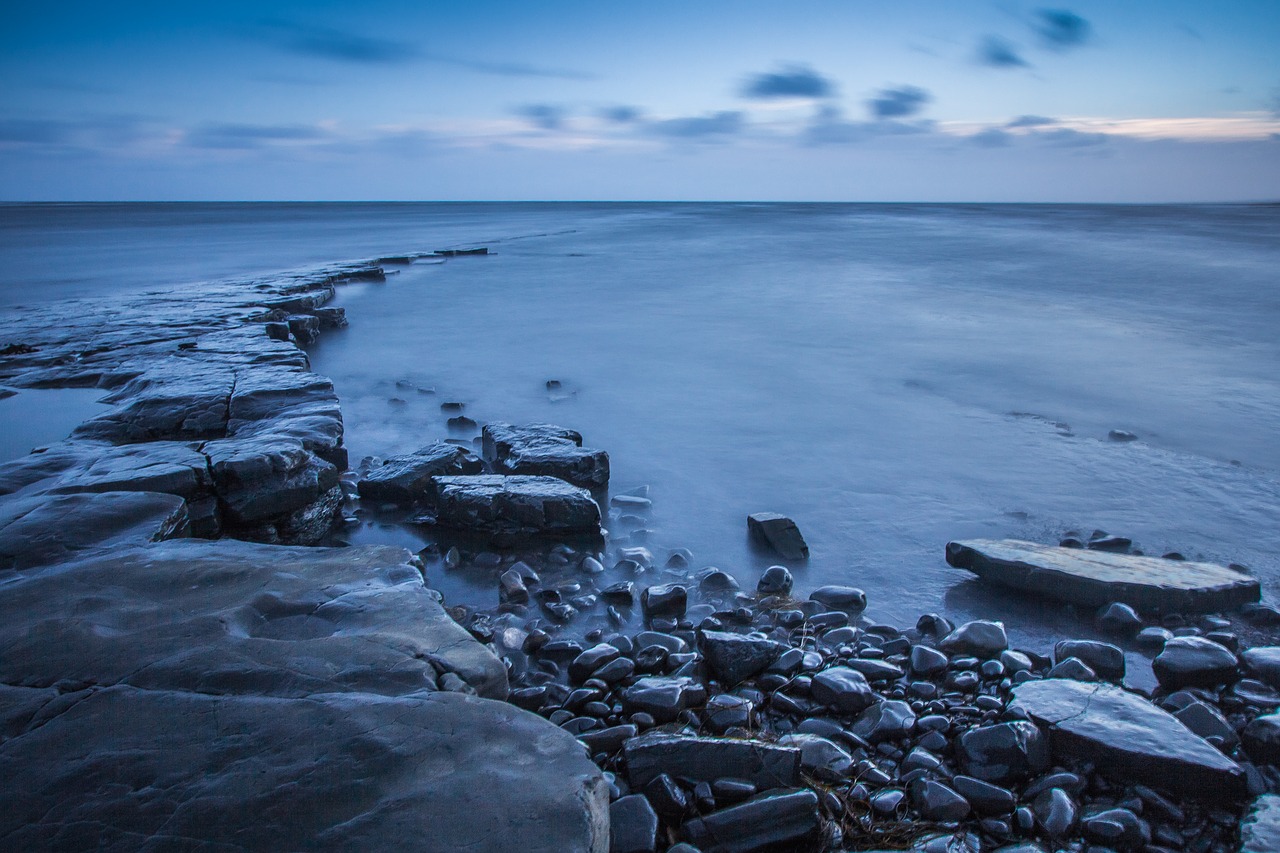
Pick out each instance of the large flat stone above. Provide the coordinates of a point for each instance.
(1127, 737)
(43, 529)
(706, 759)
(515, 505)
(1095, 578)
(406, 480)
(128, 769)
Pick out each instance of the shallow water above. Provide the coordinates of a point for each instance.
(891, 376)
(34, 418)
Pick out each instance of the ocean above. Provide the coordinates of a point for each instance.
(890, 376)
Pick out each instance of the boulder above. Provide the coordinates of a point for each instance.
(1003, 753)
(546, 450)
(1127, 738)
(779, 533)
(1094, 578)
(705, 759)
(43, 529)
(515, 506)
(1194, 662)
(406, 480)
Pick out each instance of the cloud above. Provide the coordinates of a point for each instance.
(250, 136)
(1031, 121)
(621, 114)
(1060, 29)
(337, 45)
(898, 103)
(998, 53)
(509, 69)
(543, 116)
(87, 132)
(992, 137)
(795, 81)
(1275, 102)
(711, 125)
(830, 127)
(1065, 137)
(34, 131)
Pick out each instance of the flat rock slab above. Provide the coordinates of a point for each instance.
(406, 480)
(1095, 578)
(705, 759)
(545, 450)
(43, 529)
(128, 769)
(1127, 737)
(236, 617)
(515, 505)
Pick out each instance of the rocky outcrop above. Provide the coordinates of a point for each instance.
(1096, 578)
(509, 508)
(406, 480)
(545, 450)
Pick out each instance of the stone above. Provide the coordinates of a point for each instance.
(1194, 662)
(928, 662)
(1118, 828)
(733, 658)
(714, 580)
(633, 825)
(774, 820)
(1260, 831)
(546, 450)
(667, 600)
(779, 533)
(1073, 668)
(979, 638)
(664, 696)
(511, 588)
(1207, 721)
(1094, 578)
(1003, 753)
(704, 759)
(406, 480)
(1056, 813)
(1153, 637)
(846, 598)
(776, 580)
(1126, 737)
(1119, 618)
(985, 797)
(1262, 739)
(1103, 658)
(513, 507)
(819, 757)
(935, 801)
(890, 719)
(725, 711)
(1264, 663)
(591, 660)
(843, 689)
(43, 529)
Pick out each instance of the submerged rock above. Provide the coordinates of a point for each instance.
(1095, 578)
(406, 480)
(779, 533)
(545, 449)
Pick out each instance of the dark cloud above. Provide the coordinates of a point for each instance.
(898, 103)
(89, 132)
(621, 114)
(992, 137)
(998, 53)
(1031, 121)
(830, 127)
(1061, 29)
(250, 136)
(1065, 137)
(795, 81)
(543, 116)
(337, 45)
(710, 126)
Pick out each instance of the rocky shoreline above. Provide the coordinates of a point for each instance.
(717, 718)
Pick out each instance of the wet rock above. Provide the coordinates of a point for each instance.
(582, 667)
(511, 588)
(703, 759)
(1103, 658)
(776, 580)
(623, 592)
(928, 662)
(936, 801)
(725, 711)
(1262, 739)
(1208, 722)
(733, 658)
(983, 796)
(1127, 737)
(890, 719)
(1073, 668)
(44, 529)
(840, 598)
(1056, 813)
(1194, 662)
(779, 533)
(515, 506)
(406, 480)
(1003, 753)
(1260, 831)
(1119, 618)
(1264, 663)
(775, 820)
(664, 600)
(664, 697)
(1121, 435)
(820, 757)
(1117, 828)
(1153, 637)
(547, 450)
(716, 581)
(633, 825)
(843, 689)
(979, 638)
(1095, 578)
(462, 424)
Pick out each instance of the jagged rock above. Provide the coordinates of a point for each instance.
(704, 759)
(1095, 578)
(733, 658)
(178, 399)
(545, 449)
(1003, 753)
(890, 719)
(515, 506)
(779, 533)
(1127, 737)
(1194, 662)
(406, 480)
(43, 529)
(771, 821)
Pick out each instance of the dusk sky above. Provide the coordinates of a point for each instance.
(830, 100)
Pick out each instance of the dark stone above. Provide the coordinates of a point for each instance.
(772, 821)
(1262, 739)
(1194, 662)
(406, 480)
(1119, 618)
(1264, 663)
(1103, 658)
(591, 660)
(1126, 737)
(633, 825)
(1056, 813)
(843, 689)
(775, 581)
(725, 711)
(821, 758)
(1073, 668)
(45, 529)
(928, 662)
(1095, 578)
(623, 592)
(1260, 831)
(1116, 828)
(515, 505)
(840, 597)
(779, 533)
(703, 759)
(668, 798)
(979, 638)
(936, 801)
(545, 449)
(1003, 753)
(983, 796)
(890, 719)
(664, 600)
(607, 741)
(664, 697)
(1208, 722)
(733, 658)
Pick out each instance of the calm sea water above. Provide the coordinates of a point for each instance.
(891, 376)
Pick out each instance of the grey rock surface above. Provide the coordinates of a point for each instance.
(1260, 831)
(705, 759)
(547, 450)
(515, 506)
(1095, 578)
(41, 529)
(406, 480)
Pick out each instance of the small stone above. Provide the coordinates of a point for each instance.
(1121, 435)
(936, 801)
(775, 820)
(1262, 739)
(844, 689)
(664, 600)
(776, 580)
(1073, 668)
(733, 658)
(981, 638)
(1056, 813)
(820, 757)
(891, 719)
(633, 825)
(1004, 752)
(928, 662)
(983, 796)
(846, 598)
(1194, 662)
(1103, 658)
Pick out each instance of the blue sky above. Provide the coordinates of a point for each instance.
(1145, 100)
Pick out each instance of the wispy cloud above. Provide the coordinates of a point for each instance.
(710, 126)
(1061, 29)
(829, 126)
(621, 114)
(543, 116)
(794, 81)
(251, 136)
(992, 137)
(1067, 137)
(898, 102)
(1030, 121)
(995, 52)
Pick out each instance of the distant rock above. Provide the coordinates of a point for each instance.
(406, 480)
(779, 533)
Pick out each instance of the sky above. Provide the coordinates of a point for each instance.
(810, 100)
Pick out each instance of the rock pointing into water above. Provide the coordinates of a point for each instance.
(1095, 578)
(515, 506)
(1127, 737)
(406, 480)
(779, 533)
(545, 449)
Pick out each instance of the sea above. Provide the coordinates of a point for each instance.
(890, 376)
